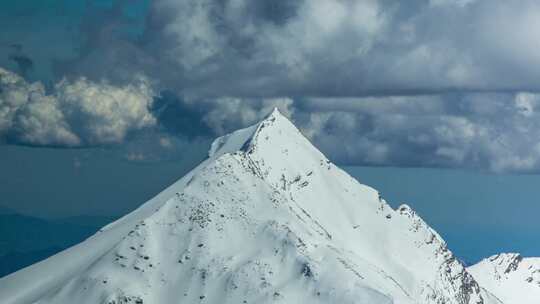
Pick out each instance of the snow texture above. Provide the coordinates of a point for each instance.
(510, 277)
(267, 218)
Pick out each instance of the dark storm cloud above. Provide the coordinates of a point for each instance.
(495, 132)
(273, 48)
(24, 63)
(109, 35)
(214, 48)
(378, 82)
(177, 117)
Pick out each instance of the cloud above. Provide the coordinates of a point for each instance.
(41, 122)
(491, 132)
(271, 48)
(14, 92)
(210, 49)
(229, 113)
(175, 115)
(487, 131)
(448, 83)
(77, 113)
(263, 48)
(103, 113)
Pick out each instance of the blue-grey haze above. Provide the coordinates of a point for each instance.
(478, 214)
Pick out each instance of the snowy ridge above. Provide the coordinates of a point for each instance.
(267, 218)
(511, 277)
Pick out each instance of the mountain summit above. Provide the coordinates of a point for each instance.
(511, 277)
(267, 218)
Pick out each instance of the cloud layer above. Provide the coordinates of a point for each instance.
(449, 83)
(77, 113)
(274, 48)
(488, 131)
(494, 132)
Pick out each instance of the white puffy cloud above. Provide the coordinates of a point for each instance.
(106, 113)
(76, 113)
(284, 33)
(29, 114)
(14, 92)
(259, 48)
(322, 30)
(41, 122)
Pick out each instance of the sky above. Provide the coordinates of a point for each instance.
(141, 87)
(477, 214)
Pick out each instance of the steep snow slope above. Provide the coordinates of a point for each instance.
(509, 276)
(266, 218)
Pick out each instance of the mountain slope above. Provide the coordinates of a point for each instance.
(509, 276)
(266, 218)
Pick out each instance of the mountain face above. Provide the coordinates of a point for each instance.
(267, 218)
(511, 277)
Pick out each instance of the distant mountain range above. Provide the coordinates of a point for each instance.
(5, 210)
(25, 240)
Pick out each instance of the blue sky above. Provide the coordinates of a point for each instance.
(138, 89)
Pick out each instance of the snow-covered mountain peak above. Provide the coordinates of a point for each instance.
(267, 218)
(275, 149)
(246, 139)
(513, 278)
(275, 134)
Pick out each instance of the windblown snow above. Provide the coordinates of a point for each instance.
(267, 218)
(511, 277)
